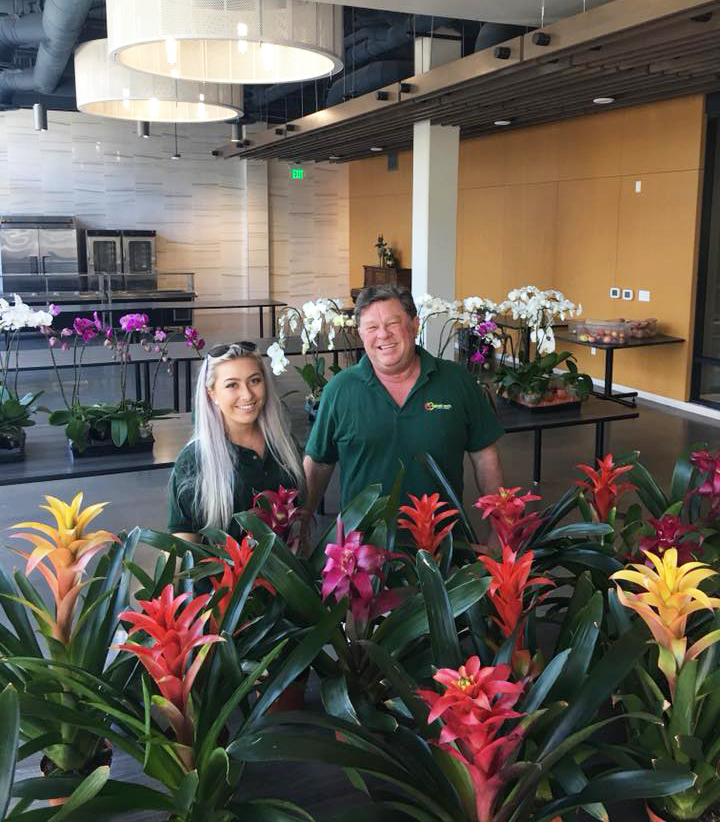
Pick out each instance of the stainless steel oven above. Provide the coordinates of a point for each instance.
(139, 259)
(104, 253)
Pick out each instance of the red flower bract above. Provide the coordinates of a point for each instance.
(669, 531)
(350, 569)
(510, 580)
(277, 510)
(424, 519)
(240, 554)
(475, 703)
(604, 488)
(176, 634)
(506, 512)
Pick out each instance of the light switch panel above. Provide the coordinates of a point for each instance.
(614, 293)
(643, 296)
(627, 294)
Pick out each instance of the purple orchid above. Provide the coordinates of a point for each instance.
(84, 328)
(193, 339)
(134, 322)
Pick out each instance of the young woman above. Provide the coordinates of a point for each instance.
(241, 444)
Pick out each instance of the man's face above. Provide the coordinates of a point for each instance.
(388, 335)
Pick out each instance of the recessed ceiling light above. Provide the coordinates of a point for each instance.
(333, 157)
(174, 156)
(603, 101)
(502, 122)
(376, 148)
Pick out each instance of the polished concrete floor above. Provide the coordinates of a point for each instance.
(660, 435)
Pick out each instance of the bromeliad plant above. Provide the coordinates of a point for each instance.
(75, 628)
(687, 703)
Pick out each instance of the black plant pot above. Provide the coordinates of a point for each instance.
(12, 450)
(105, 447)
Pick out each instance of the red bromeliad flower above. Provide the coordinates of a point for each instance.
(277, 510)
(669, 531)
(710, 464)
(424, 519)
(506, 512)
(176, 634)
(475, 703)
(604, 488)
(510, 580)
(350, 569)
(240, 554)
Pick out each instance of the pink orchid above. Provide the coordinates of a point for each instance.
(475, 703)
(176, 634)
(85, 329)
(134, 322)
(160, 335)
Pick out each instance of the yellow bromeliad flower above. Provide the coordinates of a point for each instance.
(671, 595)
(69, 550)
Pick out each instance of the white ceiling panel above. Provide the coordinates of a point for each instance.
(520, 12)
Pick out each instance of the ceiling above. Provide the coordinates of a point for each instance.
(518, 12)
(632, 50)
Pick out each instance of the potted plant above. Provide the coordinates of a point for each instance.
(316, 322)
(16, 410)
(536, 385)
(103, 428)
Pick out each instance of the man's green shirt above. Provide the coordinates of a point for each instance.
(360, 426)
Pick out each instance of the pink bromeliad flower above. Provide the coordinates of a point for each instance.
(424, 518)
(474, 704)
(603, 485)
(669, 533)
(710, 488)
(168, 659)
(277, 510)
(350, 569)
(506, 511)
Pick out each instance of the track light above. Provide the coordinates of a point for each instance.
(40, 121)
(143, 129)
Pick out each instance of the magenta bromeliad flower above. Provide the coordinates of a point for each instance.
(134, 322)
(475, 703)
(669, 533)
(350, 569)
(709, 464)
(277, 510)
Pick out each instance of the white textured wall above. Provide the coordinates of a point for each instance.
(242, 227)
(309, 232)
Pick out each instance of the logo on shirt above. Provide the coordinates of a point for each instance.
(437, 406)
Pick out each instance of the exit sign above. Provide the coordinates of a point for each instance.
(297, 173)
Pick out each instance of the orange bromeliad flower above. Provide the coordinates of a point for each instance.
(604, 488)
(510, 580)
(176, 634)
(424, 519)
(671, 594)
(69, 550)
(240, 554)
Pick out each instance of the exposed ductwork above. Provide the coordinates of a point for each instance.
(62, 22)
(21, 31)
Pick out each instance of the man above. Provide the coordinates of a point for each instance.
(398, 402)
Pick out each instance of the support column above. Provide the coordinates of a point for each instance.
(434, 215)
(258, 229)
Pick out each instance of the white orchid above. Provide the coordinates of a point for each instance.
(20, 315)
(278, 361)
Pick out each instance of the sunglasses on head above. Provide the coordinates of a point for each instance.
(222, 349)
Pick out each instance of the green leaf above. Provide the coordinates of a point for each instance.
(245, 584)
(10, 724)
(214, 775)
(86, 790)
(648, 490)
(682, 477)
(119, 431)
(443, 632)
(17, 616)
(576, 530)
(60, 417)
(621, 786)
(336, 700)
(186, 793)
(583, 646)
(543, 684)
(297, 661)
(683, 702)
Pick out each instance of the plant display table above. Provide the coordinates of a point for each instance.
(626, 398)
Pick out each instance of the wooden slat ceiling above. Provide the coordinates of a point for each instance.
(633, 50)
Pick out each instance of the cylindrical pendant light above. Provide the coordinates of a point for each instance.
(227, 41)
(40, 121)
(111, 90)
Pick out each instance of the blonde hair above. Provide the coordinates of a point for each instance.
(214, 457)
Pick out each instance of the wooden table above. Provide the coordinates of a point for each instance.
(626, 398)
(515, 418)
(138, 306)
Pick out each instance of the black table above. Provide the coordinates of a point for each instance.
(139, 306)
(515, 418)
(626, 398)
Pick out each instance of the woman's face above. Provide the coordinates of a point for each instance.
(239, 391)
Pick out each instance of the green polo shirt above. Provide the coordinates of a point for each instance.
(252, 475)
(360, 426)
